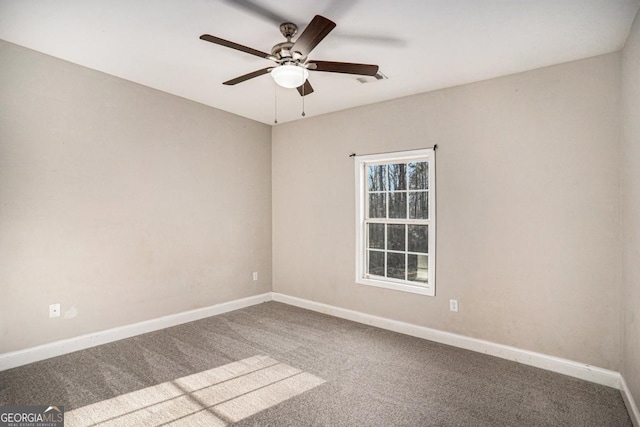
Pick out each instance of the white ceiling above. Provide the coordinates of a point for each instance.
(421, 45)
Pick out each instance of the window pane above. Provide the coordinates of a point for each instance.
(395, 237)
(376, 236)
(418, 268)
(377, 205)
(418, 238)
(397, 205)
(419, 176)
(376, 177)
(395, 265)
(419, 205)
(376, 263)
(398, 177)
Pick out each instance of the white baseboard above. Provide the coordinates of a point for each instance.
(57, 348)
(550, 363)
(632, 408)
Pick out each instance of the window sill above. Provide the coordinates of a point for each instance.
(421, 290)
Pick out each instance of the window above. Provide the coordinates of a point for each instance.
(395, 209)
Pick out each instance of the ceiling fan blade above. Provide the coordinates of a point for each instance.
(338, 8)
(259, 10)
(344, 67)
(247, 76)
(305, 89)
(232, 45)
(317, 30)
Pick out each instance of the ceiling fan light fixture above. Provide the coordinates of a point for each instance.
(290, 76)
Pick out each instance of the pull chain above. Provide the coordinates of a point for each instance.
(275, 103)
(303, 114)
(304, 84)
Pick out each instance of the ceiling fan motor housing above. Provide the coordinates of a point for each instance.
(284, 54)
(282, 51)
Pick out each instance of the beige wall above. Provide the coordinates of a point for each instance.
(120, 202)
(528, 208)
(631, 209)
(125, 204)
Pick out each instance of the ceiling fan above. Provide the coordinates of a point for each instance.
(291, 57)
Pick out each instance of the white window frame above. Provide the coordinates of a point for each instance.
(361, 163)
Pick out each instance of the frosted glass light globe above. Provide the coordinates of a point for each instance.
(289, 76)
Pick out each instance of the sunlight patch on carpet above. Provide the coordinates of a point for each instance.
(216, 397)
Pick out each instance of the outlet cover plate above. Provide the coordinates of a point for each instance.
(453, 305)
(54, 310)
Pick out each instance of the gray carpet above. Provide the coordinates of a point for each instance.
(277, 365)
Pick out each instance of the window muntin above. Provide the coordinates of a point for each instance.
(396, 221)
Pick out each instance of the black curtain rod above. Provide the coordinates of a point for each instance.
(435, 147)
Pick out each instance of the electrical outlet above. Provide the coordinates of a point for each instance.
(54, 310)
(453, 305)
(255, 275)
